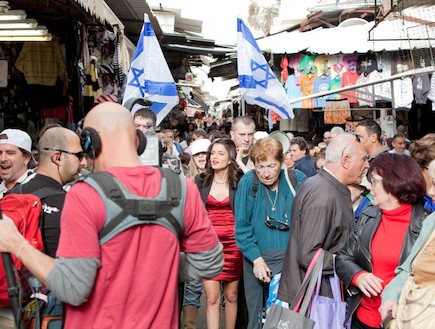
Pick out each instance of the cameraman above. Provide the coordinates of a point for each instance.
(145, 120)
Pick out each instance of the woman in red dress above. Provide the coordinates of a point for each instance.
(217, 186)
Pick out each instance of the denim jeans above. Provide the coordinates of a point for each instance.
(192, 293)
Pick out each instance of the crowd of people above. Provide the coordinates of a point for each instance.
(255, 212)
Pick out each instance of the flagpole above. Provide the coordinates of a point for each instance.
(242, 104)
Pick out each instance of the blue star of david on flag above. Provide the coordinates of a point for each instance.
(149, 76)
(268, 76)
(258, 84)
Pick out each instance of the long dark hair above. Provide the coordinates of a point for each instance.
(234, 173)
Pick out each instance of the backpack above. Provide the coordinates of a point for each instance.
(125, 209)
(289, 175)
(26, 212)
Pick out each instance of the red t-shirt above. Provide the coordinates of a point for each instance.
(386, 248)
(136, 285)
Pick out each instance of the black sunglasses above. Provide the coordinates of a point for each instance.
(79, 155)
(276, 224)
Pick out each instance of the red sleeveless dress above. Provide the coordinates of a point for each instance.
(222, 219)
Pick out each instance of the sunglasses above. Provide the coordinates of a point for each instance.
(276, 224)
(79, 155)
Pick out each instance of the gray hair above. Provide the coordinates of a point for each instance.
(337, 130)
(338, 145)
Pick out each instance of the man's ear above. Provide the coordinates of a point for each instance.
(345, 161)
(373, 138)
(27, 158)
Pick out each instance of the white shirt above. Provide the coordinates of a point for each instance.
(23, 177)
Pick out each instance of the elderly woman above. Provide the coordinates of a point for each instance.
(383, 237)
(262, 213)
(416, 273)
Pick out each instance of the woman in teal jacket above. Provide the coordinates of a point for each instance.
(262, 212)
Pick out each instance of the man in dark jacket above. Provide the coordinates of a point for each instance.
(322, 214)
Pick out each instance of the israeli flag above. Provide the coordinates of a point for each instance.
(258, 84)
(149, 76)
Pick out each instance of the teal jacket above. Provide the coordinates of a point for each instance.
(393, 290)
(252, 234)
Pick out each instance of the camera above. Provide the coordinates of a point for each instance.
(155, 154)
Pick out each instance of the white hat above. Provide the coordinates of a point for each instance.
(260, 134)
(200, 145)
(16, 137)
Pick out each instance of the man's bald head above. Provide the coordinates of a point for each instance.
(56, 137)
(117, 133)
(108, 117)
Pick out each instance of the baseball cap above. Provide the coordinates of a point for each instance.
(16, 137)
(200, 145)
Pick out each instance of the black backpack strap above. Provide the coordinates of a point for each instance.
(173, 189)
(255, 183)
(45, 192)
(292, 177)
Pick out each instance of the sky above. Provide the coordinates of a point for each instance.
(219, 17)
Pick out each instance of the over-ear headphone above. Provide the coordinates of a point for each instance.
(131, 102)
(142, 141)
(91, 142)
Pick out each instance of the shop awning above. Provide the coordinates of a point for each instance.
(102, 11)
(389, 35)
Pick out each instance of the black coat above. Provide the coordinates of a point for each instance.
(355, 256)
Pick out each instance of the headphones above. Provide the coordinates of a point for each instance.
(131, 102)
(91, 142)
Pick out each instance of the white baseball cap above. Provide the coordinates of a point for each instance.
(16, 137)
(200, 145)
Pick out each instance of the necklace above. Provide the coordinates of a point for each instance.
(270, 199)
(220, 183)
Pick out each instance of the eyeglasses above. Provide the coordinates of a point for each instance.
(374, 181)
(276, 224)
(79, 155)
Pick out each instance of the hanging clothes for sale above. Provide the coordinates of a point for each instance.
(284, 67)
(349, 79)
(92, 90)
(42, 63)
(336, 112)
(421, 88)
(307, 88)
(92, 87)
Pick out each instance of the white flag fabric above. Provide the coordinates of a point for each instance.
(258, 84)
(149, 76)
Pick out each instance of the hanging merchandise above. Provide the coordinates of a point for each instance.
(321, 84)
(307, 87)
(421, 88)
(92, 89)
(42, 63)
(284, 72)
(336, 112)
(403, 95)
